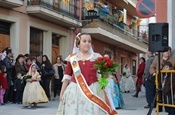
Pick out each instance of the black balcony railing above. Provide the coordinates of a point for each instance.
(119, 26)
(71, 10)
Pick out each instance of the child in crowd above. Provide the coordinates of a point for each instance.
(168, 88)
(18, 88)
(33, 92)
(3, 83)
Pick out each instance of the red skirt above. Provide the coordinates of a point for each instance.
(139, 80)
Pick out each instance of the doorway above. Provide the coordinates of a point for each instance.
(4, 35)
(55, 53)
(55, 47)
(133, 67)
(122, 61)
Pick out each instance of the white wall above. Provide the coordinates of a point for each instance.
(171, 21)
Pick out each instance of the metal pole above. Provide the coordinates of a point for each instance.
(159, 82)
(158, 90)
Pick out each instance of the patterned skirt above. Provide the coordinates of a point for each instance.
(34, 93)
(75, 103)
(127, 84)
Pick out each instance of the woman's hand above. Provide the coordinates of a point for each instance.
(5, 75)
(29, 80)
(63, 88)
(61, 97)
(33, 79)
(43, 65)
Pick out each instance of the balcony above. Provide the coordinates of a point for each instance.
(11, 3)
(107, 29)
(129, 5)
(58, 13)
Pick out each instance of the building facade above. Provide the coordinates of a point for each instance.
(38, 27)
(49, 27)
(115, 31)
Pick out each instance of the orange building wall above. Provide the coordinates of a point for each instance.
(161, 10)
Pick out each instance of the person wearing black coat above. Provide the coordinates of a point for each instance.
(46, 76)
(8, 64)
(19, 88)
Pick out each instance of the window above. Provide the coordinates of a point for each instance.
(134, 67)
(69, 6)
(122, 59)
(55, 39)
(36, 42)
(133, 28)
(4, 28)
(109, 52)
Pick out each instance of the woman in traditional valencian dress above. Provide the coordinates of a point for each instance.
(114, 93)
(33, 92)
(80, 94)
(127, 82)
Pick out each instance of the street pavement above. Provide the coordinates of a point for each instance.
(133, 106)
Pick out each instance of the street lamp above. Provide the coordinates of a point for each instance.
(91, 14)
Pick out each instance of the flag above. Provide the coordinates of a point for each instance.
(66, 2)
(120, 17)
(88, 6)
(138, 21)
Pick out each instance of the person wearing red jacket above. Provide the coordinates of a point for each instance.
(3, 83)
(140, 72)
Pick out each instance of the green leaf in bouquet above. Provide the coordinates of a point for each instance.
(25, 77)
(103, 82)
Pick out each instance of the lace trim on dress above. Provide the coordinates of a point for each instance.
(66, 77)
(92, 57)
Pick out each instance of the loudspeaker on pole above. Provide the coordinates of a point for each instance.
(158, 37)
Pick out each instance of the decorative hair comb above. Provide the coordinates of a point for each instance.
(77, 36)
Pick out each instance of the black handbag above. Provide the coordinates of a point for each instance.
(46, 72)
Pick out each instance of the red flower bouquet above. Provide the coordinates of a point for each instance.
(106, 66)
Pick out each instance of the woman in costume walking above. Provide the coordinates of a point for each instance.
(80, 83)
(127, 82)
(33, 92)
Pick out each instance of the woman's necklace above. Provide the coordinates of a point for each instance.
(83, 57)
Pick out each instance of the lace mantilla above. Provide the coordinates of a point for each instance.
(79, 56)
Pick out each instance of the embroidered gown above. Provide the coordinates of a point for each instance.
(33, 92)
(127, 82)
(114, 93)
(74, 102)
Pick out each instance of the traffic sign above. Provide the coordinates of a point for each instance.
(145, 8)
